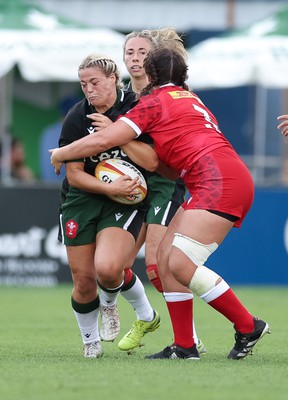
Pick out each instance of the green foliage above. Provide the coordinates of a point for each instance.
(28, 125)
(41, 353)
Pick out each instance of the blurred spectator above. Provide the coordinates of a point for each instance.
(13, 163)
(49, 140)
(283, 127)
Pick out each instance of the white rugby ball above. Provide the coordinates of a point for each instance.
(111, 169)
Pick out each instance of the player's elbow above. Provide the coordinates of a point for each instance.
(153, 164)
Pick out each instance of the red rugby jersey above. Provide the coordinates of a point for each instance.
(182, 128)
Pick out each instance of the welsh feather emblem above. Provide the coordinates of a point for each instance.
(71, 229)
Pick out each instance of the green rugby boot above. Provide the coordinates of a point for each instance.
(133, 338)
(200, 347)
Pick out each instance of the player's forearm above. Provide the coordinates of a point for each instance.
(116, 134)
(85, 147)
(167, 172)
(142, 154)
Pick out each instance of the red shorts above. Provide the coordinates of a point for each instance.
(220, 181)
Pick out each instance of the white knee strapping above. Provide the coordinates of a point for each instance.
(203, 280)
(215, 292)
(197, 252)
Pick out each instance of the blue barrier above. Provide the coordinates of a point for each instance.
(30, 254)
(257, 253)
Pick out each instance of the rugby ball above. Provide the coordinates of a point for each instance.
(111, 169)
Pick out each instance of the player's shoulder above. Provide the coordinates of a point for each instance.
(76, 113)
(124, 104)
(150, 100)
(129, 98)
(79, 108)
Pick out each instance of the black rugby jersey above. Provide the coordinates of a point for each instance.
(76, 125)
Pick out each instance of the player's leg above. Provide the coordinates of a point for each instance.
(113, 249)
(115, 243)
(110, 326)
(140, 240)
(148, 320)
(209, 286)
(155, 233)
(165, 198)
(84, 300)
(179, 300)
(186, 258)
(79, 237)
(110, 275)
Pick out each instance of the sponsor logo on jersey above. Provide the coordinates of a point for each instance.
(177, 94)
(90, 130)
(71, 229)
(118, 216)
(157, 209)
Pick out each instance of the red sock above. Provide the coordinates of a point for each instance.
(230, 306)
(128, 276)
(153, 276)
(181, 317)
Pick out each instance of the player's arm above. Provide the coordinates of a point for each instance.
(167, 172)
(284, 124)
(117, 134)
(140, 153)
(78, 178)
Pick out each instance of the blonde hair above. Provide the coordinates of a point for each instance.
(161, 38)
(106, 65)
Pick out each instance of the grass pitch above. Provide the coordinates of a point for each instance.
(41, 352)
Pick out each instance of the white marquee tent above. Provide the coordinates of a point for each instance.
(257, 55)
(45, 48)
